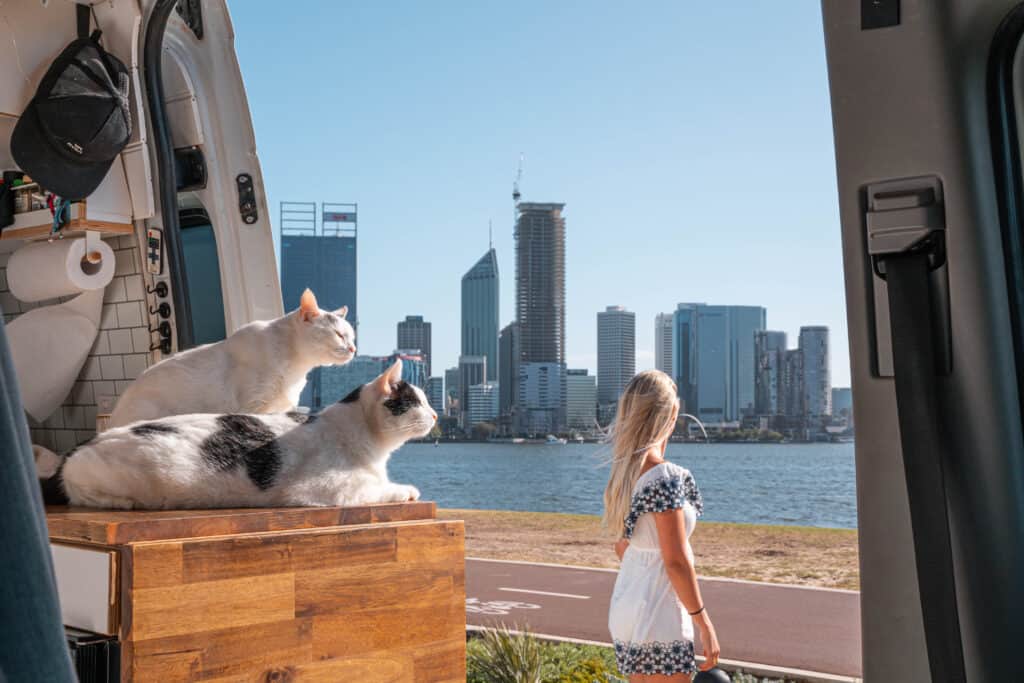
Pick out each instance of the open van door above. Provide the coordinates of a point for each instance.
(933, 290)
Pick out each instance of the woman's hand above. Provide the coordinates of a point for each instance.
(620, 547)
(709, 639)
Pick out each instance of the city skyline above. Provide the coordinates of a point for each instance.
(648, 141)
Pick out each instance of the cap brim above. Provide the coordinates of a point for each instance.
(34, 154)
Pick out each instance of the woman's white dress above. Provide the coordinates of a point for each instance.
(652, 632)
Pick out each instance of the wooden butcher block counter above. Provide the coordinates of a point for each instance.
(374, 593)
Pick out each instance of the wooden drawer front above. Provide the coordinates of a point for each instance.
(87, 586)
(362, 603)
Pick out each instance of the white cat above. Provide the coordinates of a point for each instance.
(338, 457)
(261, 368)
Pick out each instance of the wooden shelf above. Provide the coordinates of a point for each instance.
(36, 225)
(88, 525)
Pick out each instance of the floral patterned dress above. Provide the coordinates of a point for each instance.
(651, 630)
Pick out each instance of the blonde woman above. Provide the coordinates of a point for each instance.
(652, 506)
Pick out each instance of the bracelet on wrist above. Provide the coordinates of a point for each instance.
(693, 614)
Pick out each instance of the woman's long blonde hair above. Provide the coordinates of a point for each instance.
(645, 418)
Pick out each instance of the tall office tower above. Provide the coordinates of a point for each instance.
(769, 353)
(480, 312)
(472, 371)
(483, 404)
(540, 281)
(321, 256)
(435, 394)
(508, 369)
(542, 398)
(842, 402)
(414, 333)
(684, 354)
(616, 352)
(540, 312)
(725, 361)
(451, 391)
(663, 343)
(793, 381)
(817, 375)
(364, 368)
(580, 399)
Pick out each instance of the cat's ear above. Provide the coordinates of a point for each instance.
(390, 377)
(341, 312)
(307, 306)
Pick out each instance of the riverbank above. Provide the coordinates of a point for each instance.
(807, 556)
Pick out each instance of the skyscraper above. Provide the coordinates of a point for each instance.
(342, 379)
(322, 256)
(684, 353)
(580, 399)
(793, 381)
(817, 377)
(414, 333)
(616, 352)
(663, 343)
(480, 311)
(508, 368)
(435, 394)
(842, 404)
(769, 390)
(540, 313)
(540, 281)
(483, 403)
(472, 371)
(725, 361)
(451, 391)
(541, 398)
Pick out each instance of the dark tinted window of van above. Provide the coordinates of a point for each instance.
(202, 268)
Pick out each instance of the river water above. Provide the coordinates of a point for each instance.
(801, 484)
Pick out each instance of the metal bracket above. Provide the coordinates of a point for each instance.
(902, 216)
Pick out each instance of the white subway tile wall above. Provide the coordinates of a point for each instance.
(120, 354)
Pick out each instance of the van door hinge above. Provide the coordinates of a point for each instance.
(908, 215)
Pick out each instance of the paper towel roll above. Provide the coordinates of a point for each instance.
(49, 346)
(46, 270)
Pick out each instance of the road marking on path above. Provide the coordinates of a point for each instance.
(556, 595)
(714, 579)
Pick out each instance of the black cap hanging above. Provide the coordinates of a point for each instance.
(79, 119)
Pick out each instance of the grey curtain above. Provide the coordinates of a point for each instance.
(32, 644)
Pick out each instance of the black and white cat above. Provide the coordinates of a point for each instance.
(338, 457)
(261, 368)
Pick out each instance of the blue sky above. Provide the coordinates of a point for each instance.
(691, 143)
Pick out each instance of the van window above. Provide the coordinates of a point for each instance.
(202, 268)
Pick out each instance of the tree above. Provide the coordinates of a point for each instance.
(483, 430)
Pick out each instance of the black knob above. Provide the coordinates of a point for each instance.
(160, 290)
(164, 309)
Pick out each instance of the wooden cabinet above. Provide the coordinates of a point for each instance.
(371, 594)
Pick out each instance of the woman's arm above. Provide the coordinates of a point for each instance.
(681, 572)
(620, 547)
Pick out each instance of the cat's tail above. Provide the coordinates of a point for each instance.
(49, 468)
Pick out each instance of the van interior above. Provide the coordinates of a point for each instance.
(928, 107)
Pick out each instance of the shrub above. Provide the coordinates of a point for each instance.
(498, 656)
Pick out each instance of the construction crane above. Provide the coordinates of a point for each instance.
(515, 183)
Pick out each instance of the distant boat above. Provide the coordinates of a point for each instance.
(553, 440)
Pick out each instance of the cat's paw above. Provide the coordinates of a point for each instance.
(413, 493)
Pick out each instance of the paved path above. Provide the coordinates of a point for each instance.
(789, 626)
